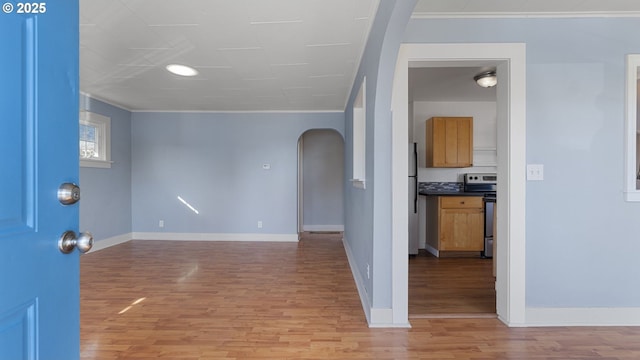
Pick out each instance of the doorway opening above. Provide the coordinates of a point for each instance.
(320, 182)
(511, 160)
(452, 283)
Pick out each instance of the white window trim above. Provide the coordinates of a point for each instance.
(96, 163)
(89, 118)
(359, 137)
(631, 192)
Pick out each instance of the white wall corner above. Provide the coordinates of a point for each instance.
(215, 237)
(112, 241)
(597, 316)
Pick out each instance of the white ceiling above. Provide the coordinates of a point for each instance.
(259, 55)
(449, 83)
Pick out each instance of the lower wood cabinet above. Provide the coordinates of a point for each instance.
(455, 223)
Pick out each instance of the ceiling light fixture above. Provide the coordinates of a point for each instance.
(182, 70)
(486, 79)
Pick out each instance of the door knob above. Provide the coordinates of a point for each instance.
(68, 241)
(68, 193)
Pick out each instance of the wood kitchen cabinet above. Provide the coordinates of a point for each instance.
(455, 223)
(449, 142)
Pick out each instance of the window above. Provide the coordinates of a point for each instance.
(95, 138)
(359, 137)
(632, 167)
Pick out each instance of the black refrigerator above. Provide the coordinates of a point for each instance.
(414, 221)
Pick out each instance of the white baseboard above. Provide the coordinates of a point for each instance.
(214, 237)
(376, 317)
(109, 242)
(383, 318)
(433, 251)
(362, 290)
(115, 240)
(323, 227)
(599, 316)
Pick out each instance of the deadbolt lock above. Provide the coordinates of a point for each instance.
(68, 194)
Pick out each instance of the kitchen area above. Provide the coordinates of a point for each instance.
(452, 200)
(460, 217)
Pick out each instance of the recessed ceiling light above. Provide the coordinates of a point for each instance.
(182, 70)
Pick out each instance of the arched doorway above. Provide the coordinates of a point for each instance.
(320, 181)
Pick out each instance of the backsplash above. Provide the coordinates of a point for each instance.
(440, 186)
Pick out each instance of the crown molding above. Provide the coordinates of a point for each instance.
(108, 102)
(519, 15)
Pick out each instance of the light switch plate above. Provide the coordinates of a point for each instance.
(535, 172)
(266, 166)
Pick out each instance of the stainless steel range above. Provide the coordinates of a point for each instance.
(485, 183)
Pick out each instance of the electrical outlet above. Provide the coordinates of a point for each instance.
(535, 172)
(259, 224)
(368, 274)
(161, 223)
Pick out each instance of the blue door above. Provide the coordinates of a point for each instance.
(39, 285)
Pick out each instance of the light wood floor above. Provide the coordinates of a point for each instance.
(227, 300)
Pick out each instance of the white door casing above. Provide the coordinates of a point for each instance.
(511, 147)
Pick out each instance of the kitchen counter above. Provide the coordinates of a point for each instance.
(444, 189)
(449, 193)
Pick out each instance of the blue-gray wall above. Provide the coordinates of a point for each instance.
(583, 239)
(368, 211)
(105, 205)
(214, 161)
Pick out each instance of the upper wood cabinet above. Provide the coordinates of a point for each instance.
(449, 142)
